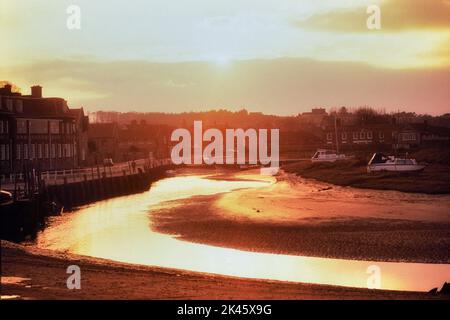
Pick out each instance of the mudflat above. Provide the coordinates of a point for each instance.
(29, 273)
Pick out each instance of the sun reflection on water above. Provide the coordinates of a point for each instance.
(119, 229)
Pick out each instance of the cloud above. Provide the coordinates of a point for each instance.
(396, 15)
(440, 55)
(278, 86)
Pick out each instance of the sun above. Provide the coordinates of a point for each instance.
(222, 61)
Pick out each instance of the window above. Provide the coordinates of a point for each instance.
(58, 150)
(355, 135)
(381, 135)
(404, 161)
(39, 126)
(53, 155)
(32, 151)
(25, 151)
(46, 153)
(54, 126)
(344, 135)
(329, 136)
(408, 136)
(2, 152)
(21, 126)
(18, 151)
(362, 135)
(369, 134)
(1, 126)
(39, 151)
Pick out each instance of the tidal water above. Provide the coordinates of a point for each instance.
(120, 229)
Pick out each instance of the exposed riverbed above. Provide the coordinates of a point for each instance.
(149, 228)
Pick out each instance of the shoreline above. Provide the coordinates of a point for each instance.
(308, 218)
(29, 273)
(352, 173)
(32, 273)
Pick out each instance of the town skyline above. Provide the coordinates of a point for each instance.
(236, 108)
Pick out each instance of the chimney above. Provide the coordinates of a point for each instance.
(36, 91)
(8, 88)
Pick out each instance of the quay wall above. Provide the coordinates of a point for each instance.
(22, 219)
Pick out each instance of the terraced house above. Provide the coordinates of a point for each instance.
(386, 136)
(37, 132)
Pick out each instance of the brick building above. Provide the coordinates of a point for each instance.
(36, 131)
(387, 136)
(360, 135)
(103, 142)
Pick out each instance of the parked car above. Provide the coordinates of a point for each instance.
(108, 162)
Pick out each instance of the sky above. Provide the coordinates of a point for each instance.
(274, 56)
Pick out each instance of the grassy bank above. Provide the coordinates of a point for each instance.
(435, 179)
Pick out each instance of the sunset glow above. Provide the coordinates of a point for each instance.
(217, 150)
(154, 37)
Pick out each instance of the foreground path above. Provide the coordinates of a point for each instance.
(41, 274)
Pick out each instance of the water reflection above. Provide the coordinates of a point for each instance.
(119, 229)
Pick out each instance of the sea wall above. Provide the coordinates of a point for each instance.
(23, 218)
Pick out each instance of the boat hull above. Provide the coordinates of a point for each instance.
(394, 168)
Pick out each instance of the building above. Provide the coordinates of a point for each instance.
(315, 117)
(82, 127)
(36, 131)
(143, 140)
(423, 135)
(386, 136)
(103, 142)
(355, 136)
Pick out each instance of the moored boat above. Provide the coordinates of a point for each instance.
(323, 155)
(381, 162)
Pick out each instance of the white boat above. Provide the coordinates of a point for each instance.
(323, 155)
(380, 162)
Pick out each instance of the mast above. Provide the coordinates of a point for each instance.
(335, 133)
